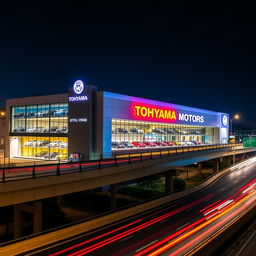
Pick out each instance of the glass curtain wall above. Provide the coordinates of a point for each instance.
(137, 131)
(41, 121)
(46, 148)
(45, 118)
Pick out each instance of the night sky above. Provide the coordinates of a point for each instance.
(195, 55)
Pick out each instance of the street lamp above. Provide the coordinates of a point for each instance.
(234, 117)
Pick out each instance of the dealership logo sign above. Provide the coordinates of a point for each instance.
(78, 88)
(154, 113)
(224, 120)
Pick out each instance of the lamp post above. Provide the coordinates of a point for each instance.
(234, 117)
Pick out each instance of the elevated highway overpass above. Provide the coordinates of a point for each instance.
(178, 225)
(25, 184)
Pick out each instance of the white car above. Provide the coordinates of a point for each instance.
(31, 143)
(55, 144)
(63, 145)
(31, 129)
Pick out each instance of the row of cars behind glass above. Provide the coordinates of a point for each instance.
(53, 129)
(45, 113)
(156, 131)
(144, 144)
(46, 143)
(51, 156)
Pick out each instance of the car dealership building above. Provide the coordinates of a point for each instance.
(89, 122)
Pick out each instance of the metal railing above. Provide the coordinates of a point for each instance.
(112, 159)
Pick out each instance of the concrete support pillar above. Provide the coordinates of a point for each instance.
(17, 222)
(112, 196)
(234, 159)
(199, 169)
(230, 160)
(59, 200)
(168, 182)
(216, 166)
(35, 209)
(37, 217)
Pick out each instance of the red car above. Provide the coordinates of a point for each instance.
(138, 144)
(169, 143)
(150, 144)
(160, 143)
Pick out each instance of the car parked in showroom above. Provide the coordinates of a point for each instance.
(138, 144)
(136, 130)
(55, 143)
(169, 143)
(196, 142)
(168, 130)
(146, 130)
(149, 144)
(19, 115)
(120, 130)
(43, 143)
(177, 143)
(19, 129)
(52, 156)
(127, 144)
(62, 130)
(30, 143)
(31, 114)
(160, 143)
(63, 156)
(63, 145)
(41, 154)
(59, 112)
(117, 145)
(31, 129)
(158, 130)
(189, 143)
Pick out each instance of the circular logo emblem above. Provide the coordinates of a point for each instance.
(78, 87)
(224, 120)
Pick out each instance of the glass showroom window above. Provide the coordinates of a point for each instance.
(31, 122)
(137, 131)
(43, 118)
(45, 148)
(18, 119)
(58, 118)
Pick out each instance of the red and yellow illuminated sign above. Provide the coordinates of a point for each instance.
(153, 113)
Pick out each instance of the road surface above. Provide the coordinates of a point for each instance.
(173, 229)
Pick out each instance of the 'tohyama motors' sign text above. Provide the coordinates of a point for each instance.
(164, 114)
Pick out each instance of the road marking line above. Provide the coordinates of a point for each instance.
(182, 226)
(128, 237)
(146, 246)
(246, 243)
